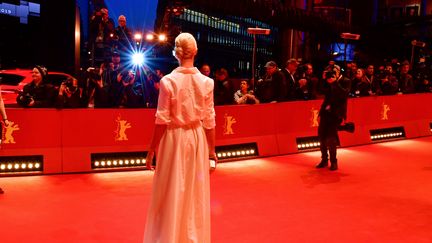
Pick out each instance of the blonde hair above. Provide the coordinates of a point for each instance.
(185, 46)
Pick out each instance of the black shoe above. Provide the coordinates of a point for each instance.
(322, 164)
(334, 166)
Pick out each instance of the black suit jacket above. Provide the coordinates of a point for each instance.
(335, 101)
(291, 85)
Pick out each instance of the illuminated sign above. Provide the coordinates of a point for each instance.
(21, 11)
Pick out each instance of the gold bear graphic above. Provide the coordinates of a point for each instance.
(229, 121)
(314, 119)
(122, 125)
(8, 131)
(384, 112)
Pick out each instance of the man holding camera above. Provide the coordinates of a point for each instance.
(69, 95)
(332, 113)
(38, 93)
(102, 30)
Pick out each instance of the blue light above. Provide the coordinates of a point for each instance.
(138, 59)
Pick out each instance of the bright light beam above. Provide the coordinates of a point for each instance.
(138, 59)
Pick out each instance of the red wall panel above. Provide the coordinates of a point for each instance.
(67, 138)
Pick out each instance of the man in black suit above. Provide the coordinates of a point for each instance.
(291, 83)
(332, 113)
(272, 87)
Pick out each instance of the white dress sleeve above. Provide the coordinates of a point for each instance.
(209, 112)
(164, 100)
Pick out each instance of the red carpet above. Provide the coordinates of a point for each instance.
(381, 193)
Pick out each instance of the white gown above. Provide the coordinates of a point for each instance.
(180, 205)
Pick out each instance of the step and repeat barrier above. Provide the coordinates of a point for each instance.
(51, 141)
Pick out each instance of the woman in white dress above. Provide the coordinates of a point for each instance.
(185, 136)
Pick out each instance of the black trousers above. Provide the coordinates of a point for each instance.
(328, 135)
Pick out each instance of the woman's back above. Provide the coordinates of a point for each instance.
(185, 98)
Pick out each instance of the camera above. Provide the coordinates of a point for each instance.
(347, 127)
(301, 70)
(330, 74)
(69, 85)
(24, 99)
(93, 73)
(127, 76)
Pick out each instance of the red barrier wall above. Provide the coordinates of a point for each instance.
(67, 138)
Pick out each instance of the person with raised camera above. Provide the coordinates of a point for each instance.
(69, 95)
(102, 30)
(38, 93)
(244, 95)
(332, 113)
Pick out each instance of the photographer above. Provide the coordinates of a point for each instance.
(388, 84)
(37, 93)
(97, 90)
(133, 93)
(69, 95)
(117, 88)
(332, 113)
(244, 95)
(101, 36)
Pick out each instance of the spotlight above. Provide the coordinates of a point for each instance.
(308, 143)
(236, 151)
(18, 164)
(108, 161)
(138, 59)
(162, 37)
(138, 36)
(149, 37)
(387, 133)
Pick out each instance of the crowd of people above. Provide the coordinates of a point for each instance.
(298, 81)
(106, 38)
(113, 84)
